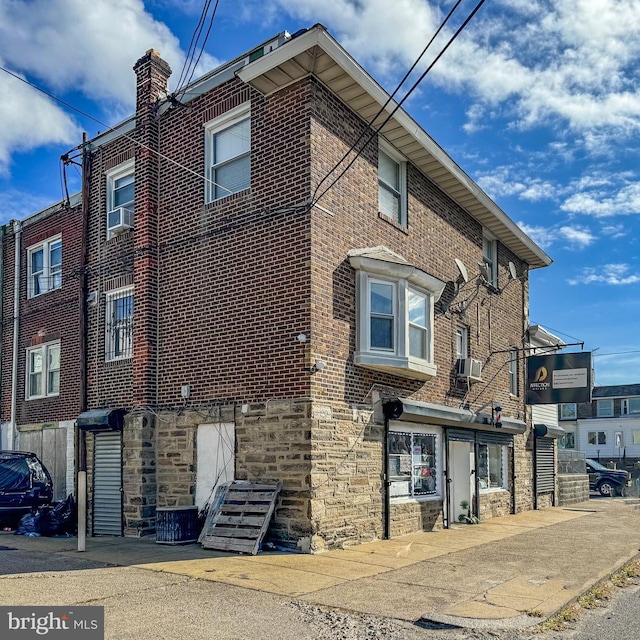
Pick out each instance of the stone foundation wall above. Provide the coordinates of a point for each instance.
(572, 489)
(545, 500)
(412, 516)
(523, 460)
(495, 504)
(139, 474)
(273, 442)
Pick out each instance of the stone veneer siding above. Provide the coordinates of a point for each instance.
(572, 489)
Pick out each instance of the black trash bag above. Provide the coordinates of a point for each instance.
(61, 519)
(30, 524)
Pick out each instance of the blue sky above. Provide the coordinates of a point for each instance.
(537, 100)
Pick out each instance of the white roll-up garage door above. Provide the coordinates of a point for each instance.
(107, 483)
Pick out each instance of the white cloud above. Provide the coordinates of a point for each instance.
(579, 237)
(570, 62)
(605, 202)
(614, 274)
(576, 237)
(46, 124)
(542, 236)
(73, 46)
(90, 47)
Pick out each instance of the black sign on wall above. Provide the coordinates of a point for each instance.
(559, 378)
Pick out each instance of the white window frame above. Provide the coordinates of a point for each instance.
(597, 437)
(601, 410)
(401, 193)
(627, 406)
(117, 173)
(396, 488)
(229, 119)
(490, 255)
(405, 278)
(567, 411)
(114, 331)
(50, 276)
(46, 350)
(462, 342)
(504, 462)
(513, 372)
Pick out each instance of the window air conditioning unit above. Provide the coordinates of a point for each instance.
(119, 220)
(469, 368)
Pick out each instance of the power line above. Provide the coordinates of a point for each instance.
(109, 128)
(389, 99)
(375, 132)
(189, 67)
(192, 45)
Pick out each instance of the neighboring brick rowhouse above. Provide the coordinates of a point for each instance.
(50, 316)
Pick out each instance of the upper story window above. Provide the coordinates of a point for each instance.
(392, 183)
(513, 372)
(568, 411)
(604, 408)
(630, 406)
(120, 199)
(228, 153)
(462, 342)
(44, 265)
(119, 324)
(43, 371)
(395, 304)
(490, 256)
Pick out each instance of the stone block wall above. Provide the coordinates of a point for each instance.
(572, 489)
(411, 516)
(494, 504)
(139, 479)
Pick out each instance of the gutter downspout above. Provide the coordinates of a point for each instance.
(17, 230)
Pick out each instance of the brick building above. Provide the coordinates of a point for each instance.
(41, 258)
(359, 348)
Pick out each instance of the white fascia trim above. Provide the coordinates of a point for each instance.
(411, 274)
(318, 36)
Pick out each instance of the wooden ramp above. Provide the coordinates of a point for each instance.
(242, 519)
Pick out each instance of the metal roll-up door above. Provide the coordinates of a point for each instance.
(460, 435)
(545, 467)
(107, 483)
(489, 437)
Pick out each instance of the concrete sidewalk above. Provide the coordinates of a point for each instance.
(511, 571)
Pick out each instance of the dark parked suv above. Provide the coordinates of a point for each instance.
(25, 484)
(608, 482)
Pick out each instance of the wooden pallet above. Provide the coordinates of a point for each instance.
(242, 519)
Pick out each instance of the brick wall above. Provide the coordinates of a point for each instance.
(50, 316)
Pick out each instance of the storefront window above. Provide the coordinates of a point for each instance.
(412, 464)
(491, 467)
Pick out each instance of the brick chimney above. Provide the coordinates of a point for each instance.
(152, 75)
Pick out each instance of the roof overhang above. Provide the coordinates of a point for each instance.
(548, 431)
(429, 413)
(316, 53)
(101, 420)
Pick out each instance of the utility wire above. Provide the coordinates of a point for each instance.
(375, 132)
(389, 99)
(192, 46)
(206, 37)
(109, 128)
